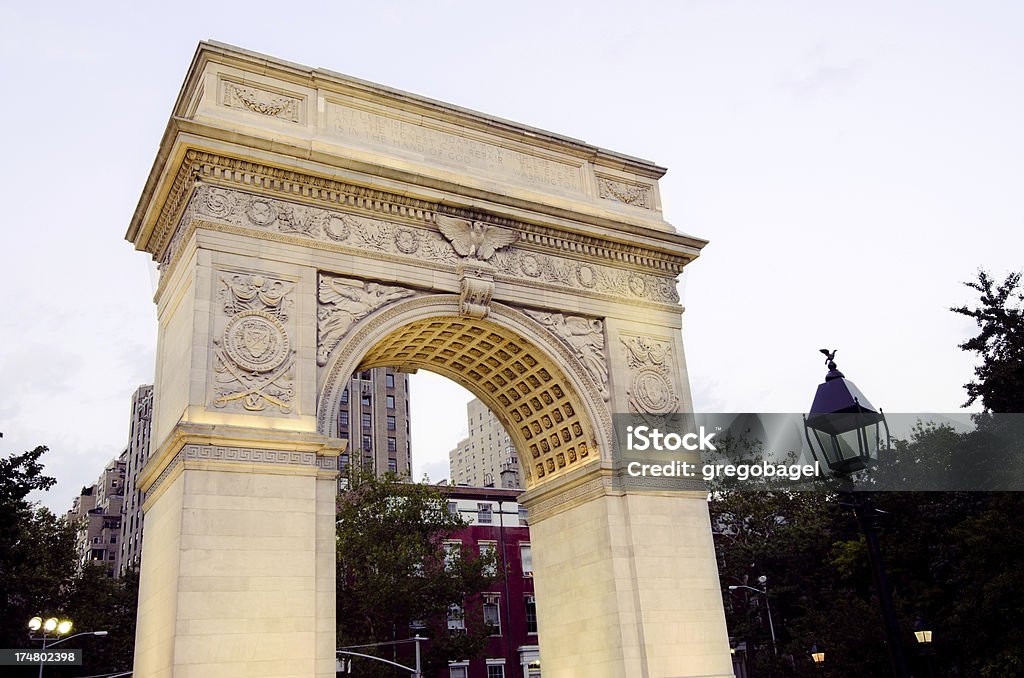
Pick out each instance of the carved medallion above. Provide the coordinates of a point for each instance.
(253, 355)
(652, 391)
(256, 341)
(261, 212)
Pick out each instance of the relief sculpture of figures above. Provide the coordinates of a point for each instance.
(343, 301)
(585, 336)
(474, 239)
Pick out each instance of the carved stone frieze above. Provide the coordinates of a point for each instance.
(637, 195)
(360, 232)
(526, 264)
(200, 167)
(584, 337)
(651, 389)
(368, 234)
(261, 101)
(253, 355)
(343, 301)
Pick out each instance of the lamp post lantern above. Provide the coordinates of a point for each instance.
(923, 635)
(843, 427)
(848, 431)
(818, 657)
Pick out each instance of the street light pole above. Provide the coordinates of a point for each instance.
(768, 606)
(848, 431)
(867, 517)
(58, 642)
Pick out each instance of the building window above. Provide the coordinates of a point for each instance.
(343, 418)
(365, 375)
(459, 671)
(495, 671)
(365, 400)
(392, 466)
(452, 552)
(389, 381)
(343, 462)
(524, 517)
(526, 556)
(456, 619)
(344, 397)
(367, 443)
(453, 508)
(113, 539)
(483, 513)
(391, 423)
(490, 549)
(392, 445)
(492, 618)
(390, 400)
(367, 420)
(531, 614)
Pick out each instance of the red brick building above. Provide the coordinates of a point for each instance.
(498, 522)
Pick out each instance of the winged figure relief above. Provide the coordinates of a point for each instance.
(343, 301)
(474, 239)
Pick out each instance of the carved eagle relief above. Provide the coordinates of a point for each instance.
(474, 239)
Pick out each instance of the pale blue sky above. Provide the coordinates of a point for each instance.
(851, 163)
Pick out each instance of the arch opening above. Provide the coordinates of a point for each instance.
(540, 404)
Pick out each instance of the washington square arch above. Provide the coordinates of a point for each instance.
(308, 225)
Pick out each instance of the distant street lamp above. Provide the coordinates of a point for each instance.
(768, 606)
(818, 657)
(57, 628)
(848, 433)
(923, 635)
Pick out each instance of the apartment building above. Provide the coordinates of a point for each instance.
(486, 457)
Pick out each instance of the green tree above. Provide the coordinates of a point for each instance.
(393, 569)
(98, 602)
(37, 550)
(1000, 343)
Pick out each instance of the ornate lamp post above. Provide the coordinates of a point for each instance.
(846, 431)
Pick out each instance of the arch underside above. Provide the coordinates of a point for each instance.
(533, 398)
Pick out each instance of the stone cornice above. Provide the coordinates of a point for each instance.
(652, 251)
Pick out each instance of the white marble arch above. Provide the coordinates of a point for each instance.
(534, 269)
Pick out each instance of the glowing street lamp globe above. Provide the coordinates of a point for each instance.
(49, 625)
(35, 623)
(64, 627)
